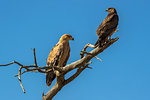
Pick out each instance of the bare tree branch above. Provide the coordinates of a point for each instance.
(19, 78)
(78, 64)
(84, 52)
(79, 70)
(60, 72)
(84, 49)
(35, 62)
(12, 63)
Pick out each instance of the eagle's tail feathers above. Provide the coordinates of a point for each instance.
(50, 76)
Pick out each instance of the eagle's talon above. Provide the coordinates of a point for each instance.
(109, 38)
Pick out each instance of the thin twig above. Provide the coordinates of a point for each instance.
(89, 67)
(19, 78)
(98, 58)
(84, 52)
(12, 63)
(35, 62)
(85, 47)
(38, 69)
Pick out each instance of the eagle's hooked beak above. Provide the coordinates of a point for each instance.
(106, 9)
(72, 38)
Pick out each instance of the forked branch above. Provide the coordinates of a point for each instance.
(60, 72)
(78, 64)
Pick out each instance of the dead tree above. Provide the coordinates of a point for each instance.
(60, 72)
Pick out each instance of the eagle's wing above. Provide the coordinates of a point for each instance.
(58, 56)
(53, 60)
(55, 55)
(67, 57)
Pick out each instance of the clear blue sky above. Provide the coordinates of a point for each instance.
(124, 73)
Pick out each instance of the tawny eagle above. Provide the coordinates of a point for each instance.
(58, 56)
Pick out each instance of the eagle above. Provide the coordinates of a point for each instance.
(58, 56)
(107, 27)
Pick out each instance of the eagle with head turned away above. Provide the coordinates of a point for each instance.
(58, 56)
(107, 27)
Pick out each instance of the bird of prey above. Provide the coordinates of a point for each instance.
(58, 56)
(107, 27)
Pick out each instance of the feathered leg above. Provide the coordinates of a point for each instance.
(99, 43)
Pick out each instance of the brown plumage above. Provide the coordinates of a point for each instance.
(107, 27)
(58, 56)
